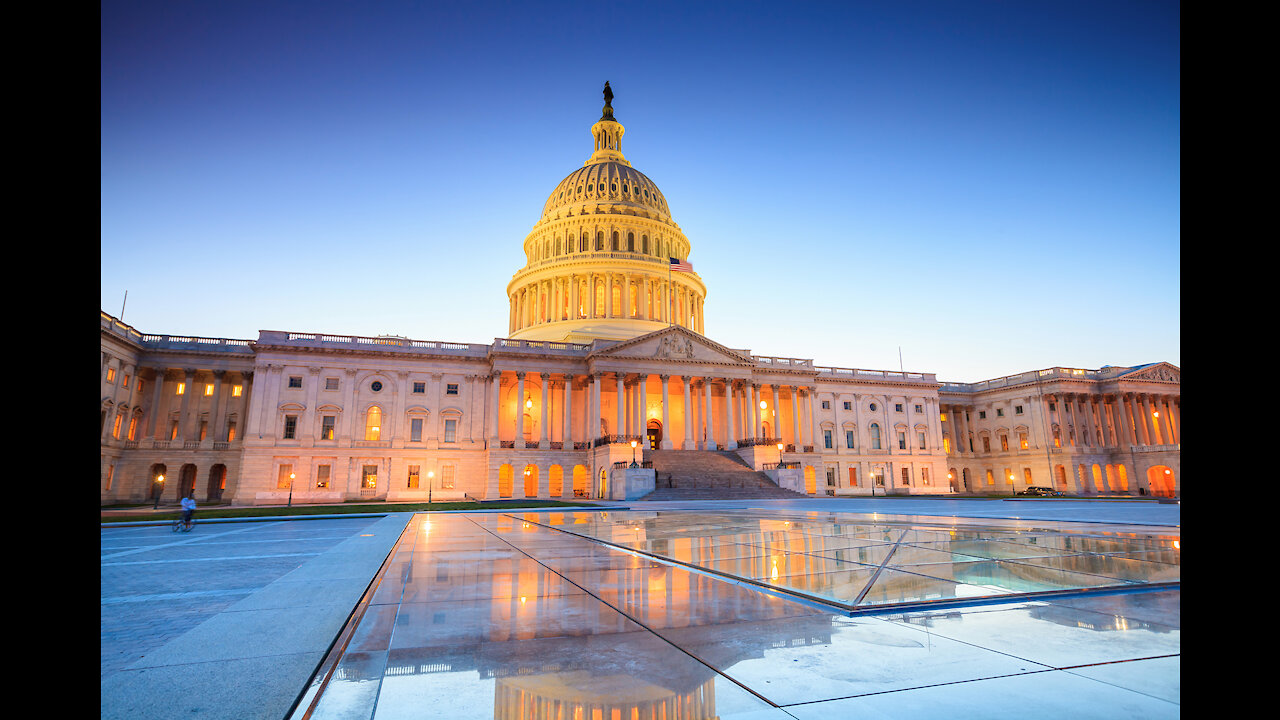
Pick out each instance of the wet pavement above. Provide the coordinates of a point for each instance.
(733, 612)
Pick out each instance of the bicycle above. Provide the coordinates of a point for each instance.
(180, 526)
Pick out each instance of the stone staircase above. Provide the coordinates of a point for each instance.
(709, 475)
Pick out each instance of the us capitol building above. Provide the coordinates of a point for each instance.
(606, 385)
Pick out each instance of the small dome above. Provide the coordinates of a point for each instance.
(607, 182)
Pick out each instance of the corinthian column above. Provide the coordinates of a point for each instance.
(732, 442)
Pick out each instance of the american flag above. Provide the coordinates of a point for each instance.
(681, 265)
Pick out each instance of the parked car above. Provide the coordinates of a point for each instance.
(1039, 491)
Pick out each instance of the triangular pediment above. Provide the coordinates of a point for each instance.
(1158, 372)
(675, 344)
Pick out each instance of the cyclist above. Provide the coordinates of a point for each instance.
(188, 508)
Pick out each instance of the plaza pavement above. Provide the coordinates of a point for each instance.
(232, 620)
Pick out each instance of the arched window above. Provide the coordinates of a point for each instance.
(615, 240)
(644, 244)
(631, 242)
(600, 241)
(875, 436)
(373, 423)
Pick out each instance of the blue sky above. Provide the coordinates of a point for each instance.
(992, 187)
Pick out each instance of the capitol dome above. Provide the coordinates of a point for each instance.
(600, 259)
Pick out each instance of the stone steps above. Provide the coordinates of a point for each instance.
(708, 474)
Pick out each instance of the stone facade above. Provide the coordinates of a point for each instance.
(606, 345)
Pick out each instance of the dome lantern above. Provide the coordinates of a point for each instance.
(608, 135)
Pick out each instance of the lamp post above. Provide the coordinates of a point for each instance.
(291, 477)
(159, 491)
(634, 442)
(430, 484)
(873, 483)
(780, 446)
(763, 406)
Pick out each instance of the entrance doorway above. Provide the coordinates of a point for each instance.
(187, 483)
(655, 435)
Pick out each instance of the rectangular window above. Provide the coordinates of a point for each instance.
(290, 427)
(111, 472)
(204, 429)
(986, 444)
(848, 405)
(853, 477)
(231, 431)
(906, 476)
(446, 477)
(946, 444)
(1051, 406)
(826, 439)
(125, 382)
(419, 387)
(1026, 475)
(1004, 443)
(295, 381)
(1017, 409)
(919, 408)
(1057, 438)
(826, 404)
(208, 389)
(173, 430)
(182, 388)
(924, 476)
(283, 479)
(982, 414)
(369, 477)
(115, 426)
(902, 440)
(111, 374)
(848, 438)
(413, 476)
(331, 383)
(236, 390)
(991, 478)
(1022, 441)
(322, 476)
(133, 428)
(1008, 476)
(450, 431)
(999, 412)
(415, 430)
(831, 477)
(326, 427)
(920, 437)
(451, 389)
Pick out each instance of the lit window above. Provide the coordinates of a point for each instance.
(986, 444)
(282, 477)
(924, 476)
(326, 427)
(991, 478)
(208, 390)
(322, 476)
(1022, 441)
(133, 428)
(125, 381)
(450, 431)
(236, 390)
(1004, 443)
(231, 431)
(446, 477)
(115, 426)
(414, 471)
(182, 388)
(373, 424)
(906, 476)
(369, 476)
(111, 374)
(1026, 475)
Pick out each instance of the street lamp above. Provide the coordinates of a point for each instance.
(291, 477)
(160, 491)
(873, 483)
(430, 476)
(780, 446)
(634, 442)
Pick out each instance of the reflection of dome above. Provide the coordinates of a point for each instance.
(598, 261)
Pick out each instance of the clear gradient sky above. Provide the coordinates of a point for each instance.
(992, 187)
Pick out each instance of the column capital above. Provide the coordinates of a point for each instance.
(520, 374)
(545, 376)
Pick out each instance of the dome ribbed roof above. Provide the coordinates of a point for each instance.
(608, 183)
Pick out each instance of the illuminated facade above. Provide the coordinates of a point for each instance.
(606, 345)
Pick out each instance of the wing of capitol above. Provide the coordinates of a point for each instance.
(606, 386)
